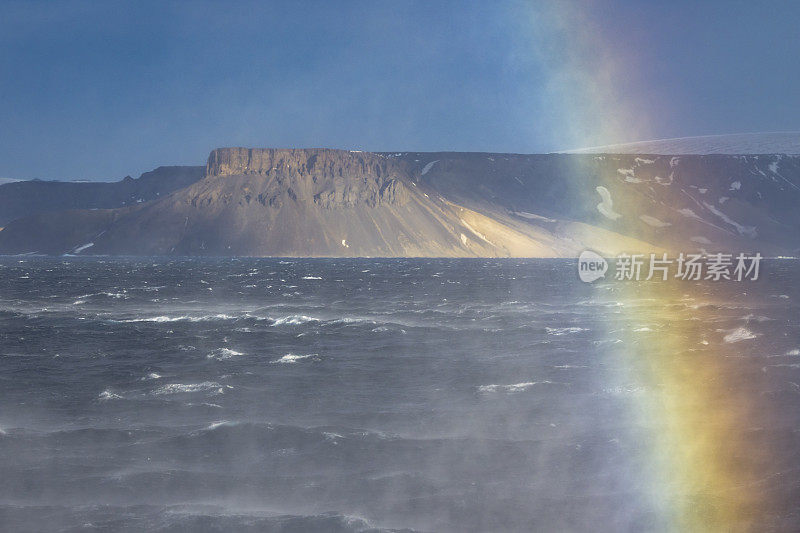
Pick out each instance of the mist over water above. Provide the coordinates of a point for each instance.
(366, 395)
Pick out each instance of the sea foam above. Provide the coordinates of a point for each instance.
(516, 387)
(739, 334)
(292, 358)
(223, 353)
(205, 386)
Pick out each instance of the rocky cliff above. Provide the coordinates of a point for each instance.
(330, 178)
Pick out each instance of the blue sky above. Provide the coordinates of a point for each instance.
(98, 90)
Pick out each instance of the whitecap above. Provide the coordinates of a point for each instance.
(332, 437)
(180, 318)
(294, 320)
(215, 425)
(756, 318)
(351, 320)
(161, 318)
(108, 395)
(516, 387)
(311, 277)
(739, 334)
(563, 331)
(223, 353)
(291, 358)
(116, 295)
(175, 388)
(385, 329)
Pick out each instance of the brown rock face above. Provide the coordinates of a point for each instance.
(322, 162)
(329, 178)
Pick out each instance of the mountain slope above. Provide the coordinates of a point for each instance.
(288, 203)
(331, 203)
(24, 198)
(686, 203)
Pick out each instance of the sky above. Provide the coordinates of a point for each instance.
(100, 90)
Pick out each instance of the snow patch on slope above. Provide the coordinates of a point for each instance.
(653, 221)
(427, 168)
(531, 216)
(750, 231)
(606, 207)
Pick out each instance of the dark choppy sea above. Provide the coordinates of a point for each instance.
(377, 395)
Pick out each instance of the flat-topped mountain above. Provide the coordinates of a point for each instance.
(337, 203)
(287, 202)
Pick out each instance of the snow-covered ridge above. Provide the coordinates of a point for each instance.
(786, 142)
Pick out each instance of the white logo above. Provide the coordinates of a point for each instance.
(591, 266)
(690, 266)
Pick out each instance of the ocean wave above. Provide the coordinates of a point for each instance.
(179, 318)
(739, 334)
(281, 436)
(297, 320)
(351, 320)
(290, 358)
(607, 341)
(116, 295)
(149, 289)
(756, 318)
(108, 395)
(223, 353)
(205, 386)
(517, 387)
(564, 331)
(214, 425)
(293, 320)
(387, 329)
(624, 391)
(188, 516)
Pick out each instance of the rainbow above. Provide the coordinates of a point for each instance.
(697, 395)
(698, 403)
